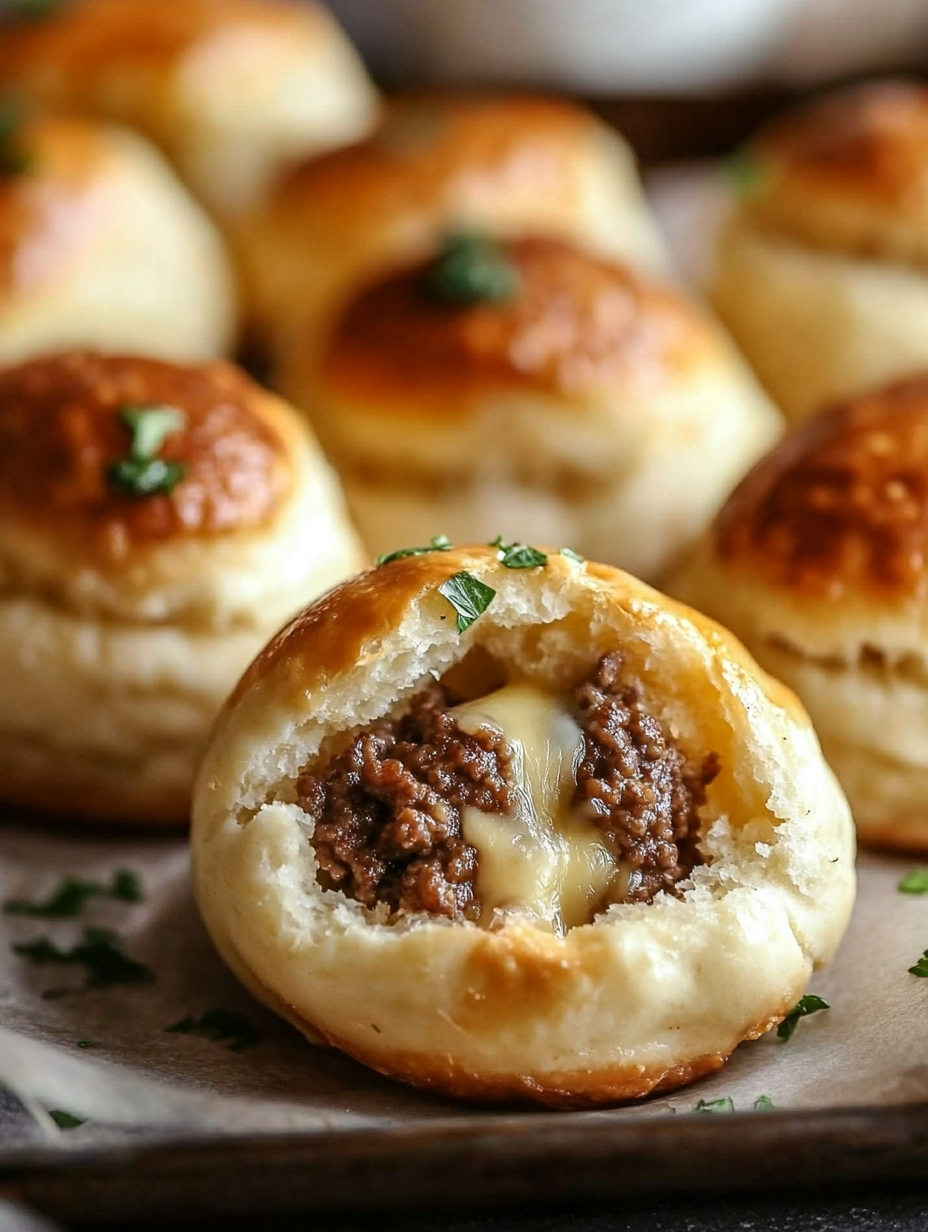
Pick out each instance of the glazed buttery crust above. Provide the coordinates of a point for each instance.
(646, 997)
(819, 562)
(842, 506)
(847, 173)
(576, 325)
(90, 201)
(821, 273)
(511, 166)
(594, 408)
(233, 90)
(61, 427)
(125, 620)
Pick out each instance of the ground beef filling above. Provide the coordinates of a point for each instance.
(636, 785)
(388, 810)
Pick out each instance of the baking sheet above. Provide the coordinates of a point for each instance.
(139, 1084)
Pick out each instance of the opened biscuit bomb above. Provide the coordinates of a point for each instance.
(507, 824)
(102, 246)
(532, 385)
(232, 90)
(509, 166)
(819, 562)
(157, 524)
(821, 274)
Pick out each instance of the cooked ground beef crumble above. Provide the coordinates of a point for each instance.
(387, 809)
(636, 784)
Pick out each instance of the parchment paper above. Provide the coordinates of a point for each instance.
(871, 1047)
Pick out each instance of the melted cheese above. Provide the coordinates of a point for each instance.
(542, 859)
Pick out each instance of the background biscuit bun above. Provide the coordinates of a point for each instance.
(102, 246)
(634, 996)
(821, 276)
(232, 90)
(126, 617)
(509, 166)
(575, 402)
(818, 562)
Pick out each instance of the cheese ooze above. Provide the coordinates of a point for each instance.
(545, 859)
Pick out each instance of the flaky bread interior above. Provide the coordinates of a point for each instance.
(234, 91)
(114, 254)
(509, 167)
(818, 324)
(859, 665)
(645, 997)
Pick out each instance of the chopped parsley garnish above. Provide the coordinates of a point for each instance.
(745, 172)
(65, 1120)
(763, 1103)
(222, 1026)
(915, 882)
(716, 1105)
(518, 555)
(468, 596)
(142, 473)
(14, 159)
(150, 427)
(572, 555)
(69, 899)
(921, 967)
(470, 269)
(441, 543)
(809, 1004)
(85, 1044)
(99, 952)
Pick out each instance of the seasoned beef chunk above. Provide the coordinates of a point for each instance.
(636, 784)
(388, 809)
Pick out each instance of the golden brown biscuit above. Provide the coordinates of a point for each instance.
(510, 166)
(821, 274)
(818, 563)
(558, 839)
(234, 91)
(101, 246)
(157, 524)
(583, 405)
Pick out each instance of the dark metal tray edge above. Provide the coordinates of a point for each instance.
(479, 1160)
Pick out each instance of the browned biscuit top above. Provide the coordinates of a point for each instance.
(842, 504)
(63, 430)
(873, 138)
(462, 151)
(349, 624)
(572, 323)
(840, 170)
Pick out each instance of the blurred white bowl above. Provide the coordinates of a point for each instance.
(584, 46)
